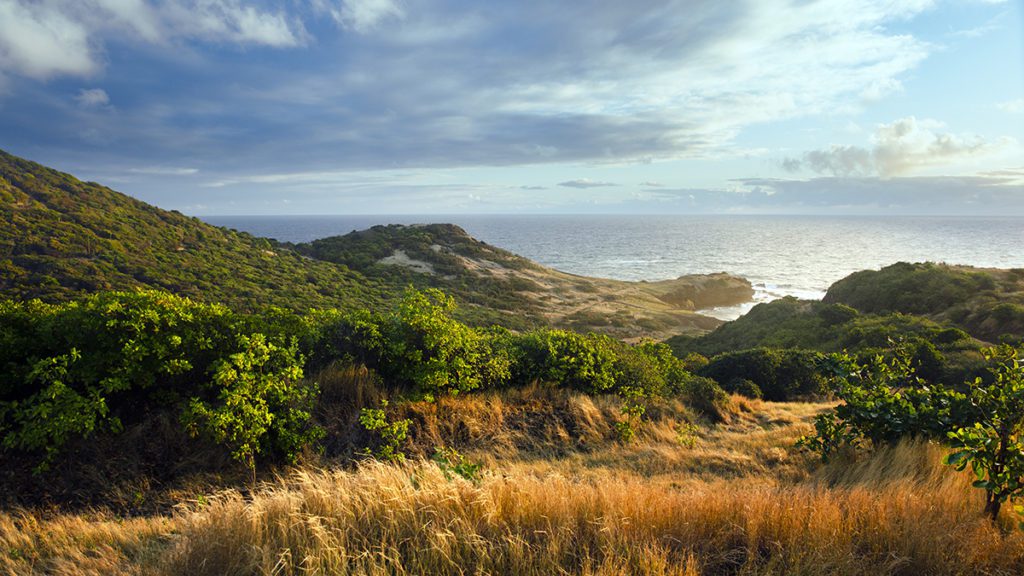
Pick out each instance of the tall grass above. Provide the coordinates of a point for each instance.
(883, 516)
(561, 496)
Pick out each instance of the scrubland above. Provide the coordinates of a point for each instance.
(558, 494)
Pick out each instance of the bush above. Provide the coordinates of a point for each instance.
(743, 387)
(115, 358)
(780, 374)
(705, 395)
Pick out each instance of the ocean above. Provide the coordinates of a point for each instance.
(781, 255)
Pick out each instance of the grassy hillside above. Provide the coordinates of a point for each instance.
(499, 286)
(734, 499)
(987, 303)
(792, 323)
(61, 237)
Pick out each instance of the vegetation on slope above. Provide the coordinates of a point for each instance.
(61, 237)
(499, 287)
(987, 303)
(113, 362)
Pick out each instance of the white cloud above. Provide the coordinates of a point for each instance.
(360, 15)
(1012, 106)
(585, 183)
(93, 97)
(39, 41)
(164, 171)
(42, 40)
(903, 147)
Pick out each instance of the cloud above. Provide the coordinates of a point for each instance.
(93, 97)
(164, 171)
(533, 187)
(651, 184)
(39, 41)
(453, 86)
(906, 195)
(900, 148)
(42, 40)
(360, 15)
(585, 183)
(1012, 106)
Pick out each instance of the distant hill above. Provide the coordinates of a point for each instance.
(61, 237)
(987, 303)
(505, 287)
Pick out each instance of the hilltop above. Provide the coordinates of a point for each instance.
(986, 302)
(516, 291)
(61, 238)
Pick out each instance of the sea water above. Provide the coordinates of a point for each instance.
(781, 255)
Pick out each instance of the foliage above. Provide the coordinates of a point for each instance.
(114, 358)
(392, 434)
(686, 434)
(261, 406)
(744, 387)
(779, 375)
(584, 362)
(706, 395)
(421, 345)
(989, 304)
(993, 446)
(883, 401)
(943, 353)
(452, 463)
(61, 238)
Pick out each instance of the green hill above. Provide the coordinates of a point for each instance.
(987, 303)
(502, 287)
(61, 237)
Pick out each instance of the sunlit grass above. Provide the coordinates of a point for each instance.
(738, 499)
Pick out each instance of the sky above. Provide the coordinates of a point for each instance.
(217, 107)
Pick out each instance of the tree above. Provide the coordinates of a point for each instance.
(992, 447)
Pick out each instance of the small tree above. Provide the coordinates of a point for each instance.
(992, 446)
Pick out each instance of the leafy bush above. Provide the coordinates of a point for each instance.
(115, 358)
(452, 463)
(992, 446)
(261, 406)
(705, 395)
(584, 362)
(743, 387)
(392, 434)
(779, 374)
(885, 400)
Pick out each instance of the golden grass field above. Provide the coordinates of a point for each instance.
(560, 497)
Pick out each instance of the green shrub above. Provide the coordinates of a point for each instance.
(392, 435)
(705, 395)
(743, 387)
(781, 375)
(116, 358)
(261, 406)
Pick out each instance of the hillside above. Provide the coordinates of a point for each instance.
(518, 292)
(61, 237)
(987, 303)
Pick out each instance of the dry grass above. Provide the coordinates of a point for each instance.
(560, 497)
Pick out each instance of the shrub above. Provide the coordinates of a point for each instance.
(705, 395)
(115, 358)
(392, 435)
(780, 374)
(261, 406)
(743, 387)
